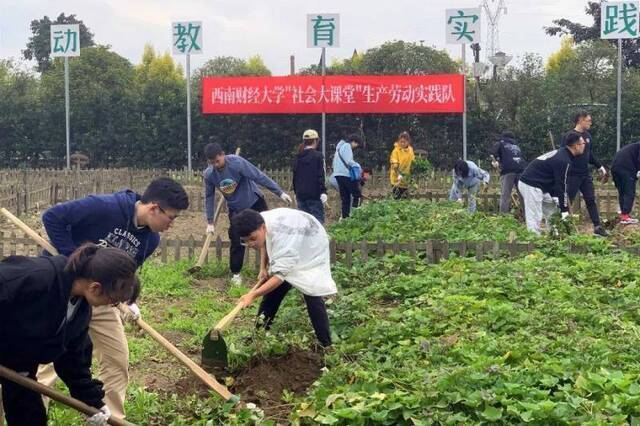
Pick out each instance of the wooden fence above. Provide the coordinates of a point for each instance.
(32, 190)
(427, 252)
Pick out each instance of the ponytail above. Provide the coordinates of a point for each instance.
(114, 269)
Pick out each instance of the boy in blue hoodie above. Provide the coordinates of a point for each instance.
(132, 223)
(236, 179)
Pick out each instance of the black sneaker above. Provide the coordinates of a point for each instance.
(599, 231)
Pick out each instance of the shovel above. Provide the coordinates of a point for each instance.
(214, 348)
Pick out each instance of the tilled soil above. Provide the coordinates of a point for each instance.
(262, 381)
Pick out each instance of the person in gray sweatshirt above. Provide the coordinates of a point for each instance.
(237, 180)
(467, 175)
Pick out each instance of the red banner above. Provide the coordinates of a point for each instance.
(339, 94)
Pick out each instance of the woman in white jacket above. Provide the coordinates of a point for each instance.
(294, 249)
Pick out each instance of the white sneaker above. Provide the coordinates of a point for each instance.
(236, 280)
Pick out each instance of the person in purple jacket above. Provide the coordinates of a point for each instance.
(236, 179)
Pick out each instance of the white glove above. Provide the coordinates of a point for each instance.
(132, 314)
(135, 311)
(460, 200)
(486, 178)
(556, 200)
(638, 175)
(284, 197)
(323, 198)
(564, 215)
(495, 164)
(100, 419)
(603, 171)
(211, 229)
(399, 178)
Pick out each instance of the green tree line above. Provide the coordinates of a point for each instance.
(125, 114)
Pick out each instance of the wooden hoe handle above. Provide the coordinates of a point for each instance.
(195, 368)
(57, 396)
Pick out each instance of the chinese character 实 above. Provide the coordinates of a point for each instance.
(461, 25)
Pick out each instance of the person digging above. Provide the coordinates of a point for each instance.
(294, 249)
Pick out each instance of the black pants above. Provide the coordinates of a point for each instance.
(22, 407)
(625, 182)
(584, 184)
(315, 307)
(399, 192)
(236, 250)
(313, 207)
(349, 194)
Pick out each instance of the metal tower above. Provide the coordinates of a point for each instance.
(493, 13)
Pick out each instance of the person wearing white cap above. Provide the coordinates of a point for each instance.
(308, 177)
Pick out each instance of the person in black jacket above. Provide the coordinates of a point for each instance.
(45, 309)
(580, 177)
(626, 170)
(506, 154)
(308, 177)
(543, 184)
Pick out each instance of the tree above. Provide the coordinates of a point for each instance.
(582, 33)
(103, 106)
(39, 45)
(161, 130)
(19, 120)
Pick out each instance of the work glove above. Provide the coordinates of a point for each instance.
(132, 314)
(211, 229)
(399, 178)
(556, 200)
(495, 164)
(564, 215)
(460, 200)
(323, 198)
(602, 171)
(284, 197)
(101, 418)
(638, 175)
(486, 178)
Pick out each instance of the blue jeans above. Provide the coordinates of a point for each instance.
(313, 207)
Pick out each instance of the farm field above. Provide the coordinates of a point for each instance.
(550, 337)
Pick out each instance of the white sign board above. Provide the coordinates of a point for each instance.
(186, 37)
(65, 40)
(619, 19)
(463, 25)
(323, 30)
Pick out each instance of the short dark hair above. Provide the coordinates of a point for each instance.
(167, 193)
(461, 168)
(354, 138)
(113, 268)
(580, 115)
(572, 138)
(246, 222)
(212, 150)
(508, 134)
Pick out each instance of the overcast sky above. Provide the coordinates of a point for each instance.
(275, 29)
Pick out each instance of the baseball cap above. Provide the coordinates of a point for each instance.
(310, 134)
